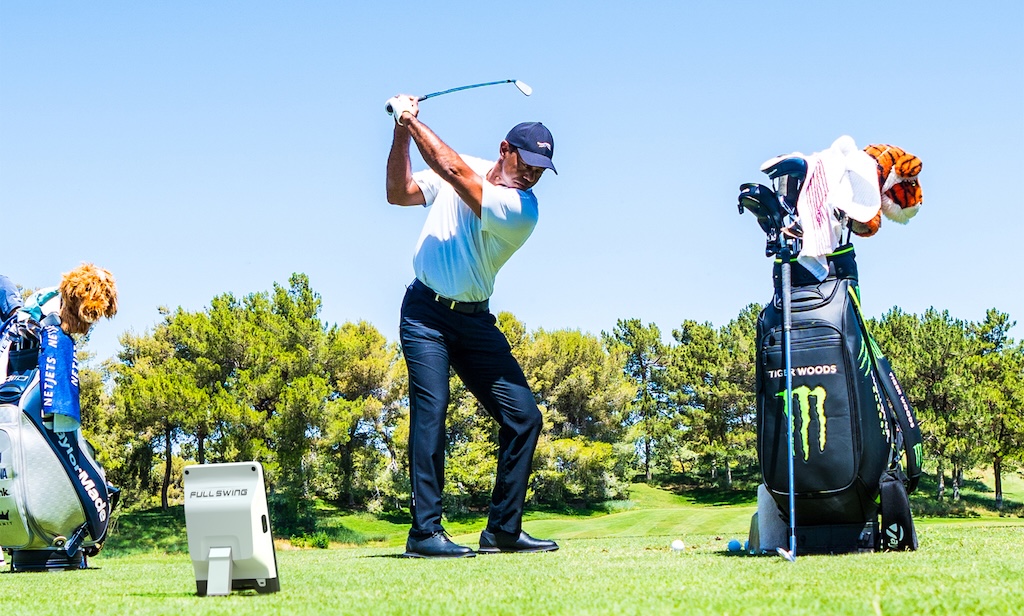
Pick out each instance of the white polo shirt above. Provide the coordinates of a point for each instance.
(458, 255)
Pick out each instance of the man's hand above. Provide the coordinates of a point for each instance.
(403, 103)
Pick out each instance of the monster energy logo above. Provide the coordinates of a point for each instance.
(803, 396)
(864, 359)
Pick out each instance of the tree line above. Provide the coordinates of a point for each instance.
(324, 407)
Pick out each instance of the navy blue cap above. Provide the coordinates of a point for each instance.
(535, 144)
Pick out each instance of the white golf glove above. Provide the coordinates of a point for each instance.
(397, 105)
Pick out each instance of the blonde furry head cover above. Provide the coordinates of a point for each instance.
(87, 293)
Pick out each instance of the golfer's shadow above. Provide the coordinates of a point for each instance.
(404, 557)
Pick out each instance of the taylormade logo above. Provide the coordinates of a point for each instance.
(895, 534)
(805, 371)
(218, 493)
(544, 144)
(88, 484)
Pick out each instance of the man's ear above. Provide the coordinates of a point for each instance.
(504, 149)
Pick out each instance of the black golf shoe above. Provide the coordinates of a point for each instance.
(492, 542)
(437, 545)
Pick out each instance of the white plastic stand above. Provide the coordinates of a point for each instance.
(219, 580)
(772, 530)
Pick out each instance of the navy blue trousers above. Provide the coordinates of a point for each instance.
(434, 338)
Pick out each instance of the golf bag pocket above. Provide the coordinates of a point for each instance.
(823, 429)
(898, 532)
(14, 529)
(841, 442)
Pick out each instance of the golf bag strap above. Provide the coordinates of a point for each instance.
(899, 407)
(904, 414)
(898, 532)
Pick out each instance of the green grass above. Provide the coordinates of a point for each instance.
(153, 531)
(962, 568)
(614, 563)
(977, 497)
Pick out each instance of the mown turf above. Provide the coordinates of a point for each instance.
(613, 563)
(962, 568)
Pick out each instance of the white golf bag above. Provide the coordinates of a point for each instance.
(55, 503)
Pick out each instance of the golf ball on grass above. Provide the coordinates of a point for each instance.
(735, 545)
(678, 545)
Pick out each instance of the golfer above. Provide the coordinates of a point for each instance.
(481, 213)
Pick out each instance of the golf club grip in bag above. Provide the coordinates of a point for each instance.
(843, 442)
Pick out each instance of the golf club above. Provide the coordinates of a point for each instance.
(525, 89)
(788, 175)
(772, 215)
(787, 334)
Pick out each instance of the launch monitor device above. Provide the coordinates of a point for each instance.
(228, 525)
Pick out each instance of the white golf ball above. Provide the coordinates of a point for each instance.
(678, 545)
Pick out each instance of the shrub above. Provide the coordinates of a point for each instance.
(578, 471)
(290, 515)
(318, 540)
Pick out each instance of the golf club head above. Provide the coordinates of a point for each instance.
(788, 172)
(764, 205)
(783, 552)
(525, 89)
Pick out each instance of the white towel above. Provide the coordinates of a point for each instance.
(853, 180)
(841, 178)
(821, 235)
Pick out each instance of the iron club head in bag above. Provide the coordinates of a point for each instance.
(762, 203)
(787, 173)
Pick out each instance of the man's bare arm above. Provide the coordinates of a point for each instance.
(401, 188)
(446, 163)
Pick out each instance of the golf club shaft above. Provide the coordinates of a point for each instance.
(475, 85)
(787, 312)
(525, 89)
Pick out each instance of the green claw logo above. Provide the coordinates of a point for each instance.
(864, 359)
(803, 396)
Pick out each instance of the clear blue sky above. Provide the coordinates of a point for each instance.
(197, 148)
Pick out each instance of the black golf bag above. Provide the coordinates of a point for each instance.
(852, 425)
(55, 502)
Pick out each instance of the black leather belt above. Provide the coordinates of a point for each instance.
(451, 304)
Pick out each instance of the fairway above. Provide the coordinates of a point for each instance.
(614, 564)
(961, 569)
(669, 523)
